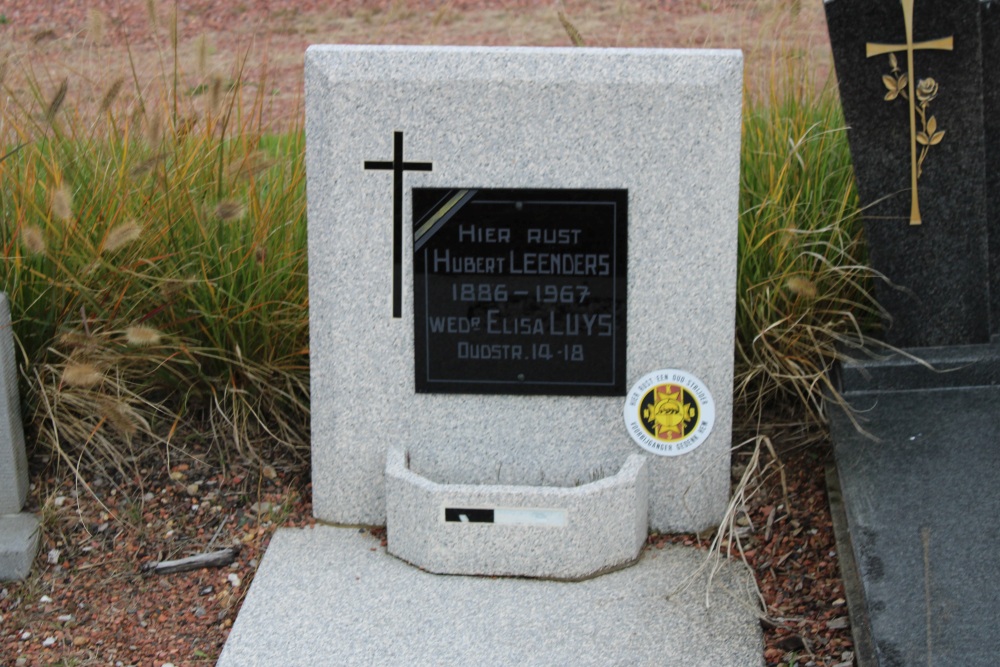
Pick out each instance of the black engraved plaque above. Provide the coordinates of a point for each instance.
(520, 291)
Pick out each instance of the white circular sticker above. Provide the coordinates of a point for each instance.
(669, 412)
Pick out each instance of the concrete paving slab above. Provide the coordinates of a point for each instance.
(333, 596)
(922, 504)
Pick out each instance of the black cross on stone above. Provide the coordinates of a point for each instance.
(398, 166)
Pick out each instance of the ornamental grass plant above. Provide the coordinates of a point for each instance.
(804, 291)
(154, 254)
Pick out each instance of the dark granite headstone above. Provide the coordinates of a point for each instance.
(991, 118)
(932, 241)
(921, 506)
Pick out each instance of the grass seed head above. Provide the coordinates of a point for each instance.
(173, 29)
(111, 94)
(801, 286)
(204, 48)
(151, 13)
(574, 35)
(140, 335)
(43, 36)
(228, 210)
(154, 129)
(57, 101)
(62, 203)
(33, 240)
(74, 340)
(120, 417)
(252, 164)
(122, 235)
(81, 374)
(95, 25)
(147, 165)
(215, 93)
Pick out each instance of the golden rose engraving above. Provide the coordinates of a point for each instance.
(897, 83)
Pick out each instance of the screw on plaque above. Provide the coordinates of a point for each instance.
(520, 376)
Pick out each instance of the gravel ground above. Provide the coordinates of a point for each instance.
(88, 601)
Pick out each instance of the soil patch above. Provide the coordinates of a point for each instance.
(92, 43)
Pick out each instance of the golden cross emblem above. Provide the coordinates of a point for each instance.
(874, 49)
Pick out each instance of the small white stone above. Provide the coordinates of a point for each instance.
(25, 635)
(45, 599)
(49, 641)
(53, 557)
(838, 623)
(65, 618)
(59, 501)
(234, 579)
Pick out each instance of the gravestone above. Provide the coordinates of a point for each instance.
(919, 160)
(921, 104)
(548, 226)
(522, 292)
(18, 530)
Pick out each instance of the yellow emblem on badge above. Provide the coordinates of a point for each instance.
(668, 412)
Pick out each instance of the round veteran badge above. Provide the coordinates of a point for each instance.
(669, 412)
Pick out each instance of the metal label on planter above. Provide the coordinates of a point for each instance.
(520, 291)
(669, 412)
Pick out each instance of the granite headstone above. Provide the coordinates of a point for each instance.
(917, 137)
(477, 219)
(18, 530)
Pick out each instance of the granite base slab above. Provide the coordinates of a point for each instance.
(334, 596)
(18, 544)
(922, 504)
(955, 366)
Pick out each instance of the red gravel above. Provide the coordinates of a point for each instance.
(94, 605)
